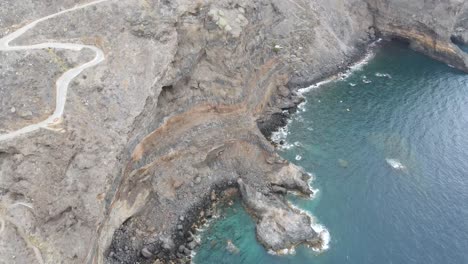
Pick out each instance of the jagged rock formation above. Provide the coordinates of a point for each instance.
(173, 114)
(278, 226)
(429, 26)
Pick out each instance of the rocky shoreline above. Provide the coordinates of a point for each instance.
(287, 99)
(181, 242)
(183, 235)
(182, 106)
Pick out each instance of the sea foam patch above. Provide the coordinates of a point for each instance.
(324, 236)
(279, 137)
(396, 164)
(322, 232)
(383, 75)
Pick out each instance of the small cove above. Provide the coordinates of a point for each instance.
(401, 108)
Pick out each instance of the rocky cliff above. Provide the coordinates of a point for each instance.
(432, 27)
(174, 115)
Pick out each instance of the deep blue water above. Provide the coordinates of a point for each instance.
(376, 214)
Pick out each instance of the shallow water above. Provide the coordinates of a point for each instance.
(390, 156)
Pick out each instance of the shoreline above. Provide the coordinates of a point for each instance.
(183, 108)
(198, 215)
(279, 126)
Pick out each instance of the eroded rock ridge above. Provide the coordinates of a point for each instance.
(176, 113)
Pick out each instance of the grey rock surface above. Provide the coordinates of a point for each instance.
(429, 26)
(176, 111)
(279, 226)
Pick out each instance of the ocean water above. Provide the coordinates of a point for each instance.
(389, 150)
(463, 47)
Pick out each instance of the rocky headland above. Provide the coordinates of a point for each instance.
(178, 112)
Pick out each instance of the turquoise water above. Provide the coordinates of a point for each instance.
(415, 114)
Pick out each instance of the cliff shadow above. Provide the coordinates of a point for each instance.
(459, 43)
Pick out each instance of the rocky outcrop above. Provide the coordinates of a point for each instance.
(278, 225)
(461, 27)
(430, 26)
(222, 78)
(172, 116)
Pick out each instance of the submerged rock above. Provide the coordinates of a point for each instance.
(343, 163)
(231, 248)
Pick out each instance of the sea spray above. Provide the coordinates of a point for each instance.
(322, 231)
(200, 230)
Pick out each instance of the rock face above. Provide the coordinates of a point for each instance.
(278, 225)
(175, 112)
(430, 26)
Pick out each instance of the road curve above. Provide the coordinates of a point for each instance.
(63, 81)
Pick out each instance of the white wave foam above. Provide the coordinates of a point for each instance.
(199, 232)
(324, 237)
(309, 183)
(396, 164)
(314, 193)
(281, 252)
(301, 107)
(321, 230)
(282, 133)
(299, 118)
(383, 75)
(279, 137)
(316, 85)
(344, 75)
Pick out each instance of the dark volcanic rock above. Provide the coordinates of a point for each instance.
(279, 226)
(278, 189)
(146, 253)
(192, 245)
(187, 88)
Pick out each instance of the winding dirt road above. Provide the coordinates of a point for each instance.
(62, 85)
(63, 81)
